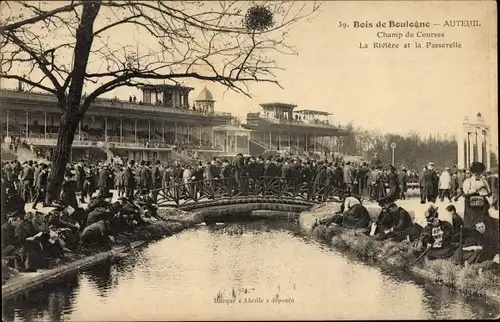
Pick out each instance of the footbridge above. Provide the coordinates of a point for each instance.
(228, 194)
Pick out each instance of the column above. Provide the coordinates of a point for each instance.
(163, 131)
(121, 129)
(331, 150)
(307, 143)
(149, 130)
(460, 150)
(45, 125)
(476, 145)
(227, 141)
(289, 140)
(188, 133)
(175, 132)
(199, 132)
(468, 150)
(279, 141)
(470, 143)
(7, 124)
(236, 142)
(135, 130)
(27, 126)
(315, 143)
(213, 138)
(105, 129)
(297, 138)
(270, 141)
(488, 150)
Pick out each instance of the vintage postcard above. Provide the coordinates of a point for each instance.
(249, 160)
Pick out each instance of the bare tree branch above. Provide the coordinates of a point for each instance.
(40, 16)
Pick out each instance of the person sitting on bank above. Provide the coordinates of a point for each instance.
(103, 213)
(97, 235)
(472, 251)
(456, 221)
(394, 222)
(352, 215)
(476, 190)
(436, 237)
(355, 215)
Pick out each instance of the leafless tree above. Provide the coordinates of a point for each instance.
(66, 48)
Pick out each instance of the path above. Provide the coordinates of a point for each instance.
(409, 204)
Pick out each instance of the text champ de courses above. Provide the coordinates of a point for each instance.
(419, 34)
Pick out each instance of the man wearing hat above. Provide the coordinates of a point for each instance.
(103, 183)
(394, 188)
(28, 176)
(41, 186)
(271, 169)
(445, 184)
(402, 178)
(157, 179)
(394, 222)
(437, 236)
(430, 181)
(129, 180)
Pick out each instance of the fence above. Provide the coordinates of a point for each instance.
(230, 188)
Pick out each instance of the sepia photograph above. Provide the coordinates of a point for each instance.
(249, 160)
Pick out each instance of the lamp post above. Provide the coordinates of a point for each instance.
(393, 146)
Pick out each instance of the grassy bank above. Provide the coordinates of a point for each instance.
(170, 221)
(469, 280)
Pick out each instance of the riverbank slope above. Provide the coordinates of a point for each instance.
(475, 280)
(171, 221)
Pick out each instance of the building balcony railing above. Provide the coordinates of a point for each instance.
(111, 103)
(299, 123)
(100, 144)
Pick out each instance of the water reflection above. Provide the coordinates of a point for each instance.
(233, 271)
(51, 302)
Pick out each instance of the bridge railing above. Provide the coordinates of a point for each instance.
(230, 188)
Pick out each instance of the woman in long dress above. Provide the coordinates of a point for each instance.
(476, 189)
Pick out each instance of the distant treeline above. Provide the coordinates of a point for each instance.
(412, 151)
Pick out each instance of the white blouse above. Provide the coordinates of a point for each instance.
(480, 185)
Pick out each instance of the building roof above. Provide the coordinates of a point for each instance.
(166, 87)
(277, 104)
(205, 95)
(313, 112)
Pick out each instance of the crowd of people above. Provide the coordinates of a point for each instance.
(472, 239)
(86, 216)
(34, 240)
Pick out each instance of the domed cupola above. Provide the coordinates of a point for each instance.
(205, 95)
(205, 101)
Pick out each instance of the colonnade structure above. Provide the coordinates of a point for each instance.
(155, 127)
(474, 143)
(278, 127)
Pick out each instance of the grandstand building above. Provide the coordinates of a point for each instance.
(278, 127)
(160, 126)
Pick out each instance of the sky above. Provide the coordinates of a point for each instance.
(400, 90)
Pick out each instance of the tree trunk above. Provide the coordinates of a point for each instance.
(71, 102)
(60, 156)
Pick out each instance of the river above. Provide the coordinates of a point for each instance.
(204, 273)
